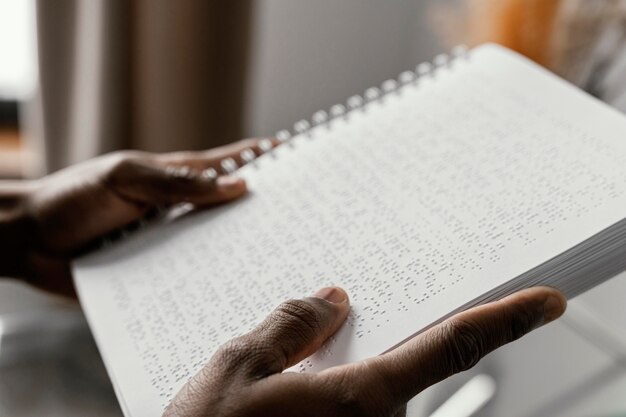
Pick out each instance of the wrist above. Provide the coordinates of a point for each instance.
(17, 231)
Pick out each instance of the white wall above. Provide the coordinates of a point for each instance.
(308, 55)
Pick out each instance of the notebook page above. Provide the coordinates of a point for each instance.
(416, 205)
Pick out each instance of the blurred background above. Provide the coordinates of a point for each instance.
(82, 77)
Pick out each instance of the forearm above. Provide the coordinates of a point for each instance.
(16, 228)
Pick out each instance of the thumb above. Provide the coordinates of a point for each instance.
(144, 181)
(292, 332)
(459, 343)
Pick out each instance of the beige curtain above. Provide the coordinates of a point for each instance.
(156, 75)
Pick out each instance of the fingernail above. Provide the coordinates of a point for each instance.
(332, 294)
(553, 308)
(229, 181)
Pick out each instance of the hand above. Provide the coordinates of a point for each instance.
(244, 378)
(70, 210)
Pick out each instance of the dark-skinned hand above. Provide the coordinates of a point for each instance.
(245, 377)
(68, 211)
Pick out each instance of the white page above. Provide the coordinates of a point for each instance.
(416, 205)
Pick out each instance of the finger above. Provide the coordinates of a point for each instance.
(293, 331)
(457, 344)
(212, 158)
(143, 181)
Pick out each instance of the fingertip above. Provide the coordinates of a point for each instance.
(231, 184)
(551, 302)
(334, 295)
(554, 305)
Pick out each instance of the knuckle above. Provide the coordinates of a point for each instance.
(464, 344)
(233, 350)
(521, 322)
(295, 323)
(235, 354)
(301, 316)
(120, 162)
(349, 401)
(350, 404)
(355, 397)
(126, 156)
(244, 354)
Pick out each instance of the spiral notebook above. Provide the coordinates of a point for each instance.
(455, 184)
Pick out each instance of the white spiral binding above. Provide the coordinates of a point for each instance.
(283, 136)
(355, 102)
(304, 127)
(337, 110)
(229, 165)
(319, 118)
